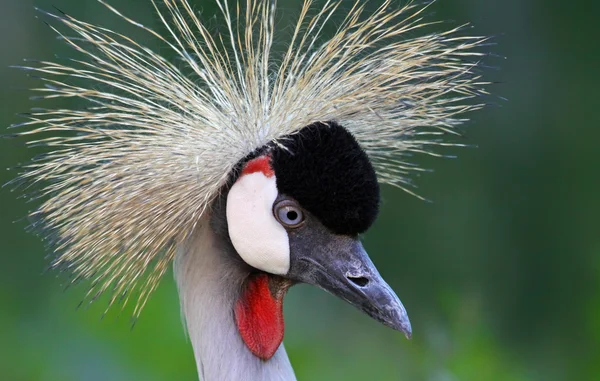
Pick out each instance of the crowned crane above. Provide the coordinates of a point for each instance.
(250, 168)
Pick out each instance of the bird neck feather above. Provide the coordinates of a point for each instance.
(210, 280)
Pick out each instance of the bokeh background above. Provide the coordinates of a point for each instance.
(500, 273)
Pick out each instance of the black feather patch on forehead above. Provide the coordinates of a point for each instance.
(324, 168)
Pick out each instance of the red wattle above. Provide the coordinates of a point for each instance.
(259, 318)
(259, 164)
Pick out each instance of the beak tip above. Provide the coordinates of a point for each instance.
(406, 329)
(401, 323)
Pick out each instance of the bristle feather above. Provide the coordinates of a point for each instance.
(129, 176)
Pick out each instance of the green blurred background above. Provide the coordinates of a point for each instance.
(500, 273)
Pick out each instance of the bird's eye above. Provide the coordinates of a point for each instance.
(288, 214)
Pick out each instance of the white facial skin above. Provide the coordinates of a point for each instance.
(257, 236)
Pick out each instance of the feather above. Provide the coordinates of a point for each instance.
(125, 180)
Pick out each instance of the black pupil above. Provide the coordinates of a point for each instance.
(292, 215)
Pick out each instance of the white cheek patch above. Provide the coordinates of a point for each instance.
(256, 235)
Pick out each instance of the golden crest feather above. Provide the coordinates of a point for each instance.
(126, 179)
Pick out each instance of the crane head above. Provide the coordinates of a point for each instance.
(294, 214)
(289, 138)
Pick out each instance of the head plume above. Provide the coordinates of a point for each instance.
(126, 179)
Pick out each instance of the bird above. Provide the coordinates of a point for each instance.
(248, 157)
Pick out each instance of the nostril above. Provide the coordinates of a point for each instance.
(360, 281)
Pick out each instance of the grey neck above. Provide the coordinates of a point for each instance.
(209, 280)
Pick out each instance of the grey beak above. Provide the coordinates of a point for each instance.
(341, 266)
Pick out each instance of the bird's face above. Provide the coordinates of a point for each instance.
(294, 214)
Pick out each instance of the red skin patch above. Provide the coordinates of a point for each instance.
(259, 164)
(259, 317)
